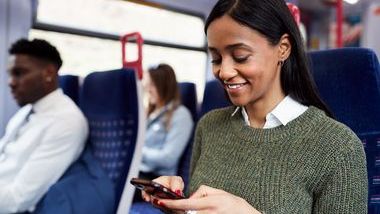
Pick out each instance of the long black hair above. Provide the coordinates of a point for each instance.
(273, 19)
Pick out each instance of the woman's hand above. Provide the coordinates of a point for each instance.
(209, 200)
(174, 183)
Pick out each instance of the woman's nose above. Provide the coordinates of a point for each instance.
(227, 71)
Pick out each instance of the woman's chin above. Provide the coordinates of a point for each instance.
(238, 102)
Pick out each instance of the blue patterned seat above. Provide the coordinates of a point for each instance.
(70, 86)
(189, 97)
(371, 143)
(214, 97)
(111, 103)
(348, 80)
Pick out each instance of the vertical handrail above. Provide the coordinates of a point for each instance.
(135, 64)
(339, 23)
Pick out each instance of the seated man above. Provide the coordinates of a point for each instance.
(45, 136)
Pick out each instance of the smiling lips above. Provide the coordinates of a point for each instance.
(234, 85)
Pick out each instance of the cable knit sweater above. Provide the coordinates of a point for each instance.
(314, 164)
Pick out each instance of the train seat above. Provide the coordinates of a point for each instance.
(348, 80)
(189, 100)
(214, 97)
(70, 86)
(84, 188)
(189, 97)
(111, 101)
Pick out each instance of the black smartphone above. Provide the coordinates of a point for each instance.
(155, 189)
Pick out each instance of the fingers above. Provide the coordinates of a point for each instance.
(202, 199)
(175, 183)
(188, 204)
(146, 197)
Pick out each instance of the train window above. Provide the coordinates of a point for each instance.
(118, 17)
(83, 55)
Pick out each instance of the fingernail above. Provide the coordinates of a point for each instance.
(160, 203)
(178, 192)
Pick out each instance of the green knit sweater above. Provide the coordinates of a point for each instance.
(314, 164)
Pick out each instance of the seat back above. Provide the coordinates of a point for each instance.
(214, 97)
(189, 97)
(189, 100)
(371, 143)
(95, 195)
(110, 101)
(349, 82)
(70, 86)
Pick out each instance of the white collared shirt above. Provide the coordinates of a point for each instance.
(287, 110)
(47, 143)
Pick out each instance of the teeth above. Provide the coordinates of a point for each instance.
(234, 86)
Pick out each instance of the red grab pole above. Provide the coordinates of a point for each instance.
(339, 23)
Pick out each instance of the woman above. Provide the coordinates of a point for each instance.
(278, 150)
(169, 124)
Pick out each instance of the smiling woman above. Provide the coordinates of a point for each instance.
(281, 153)
(247, 64)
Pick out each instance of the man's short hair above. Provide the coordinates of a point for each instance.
(39, 49)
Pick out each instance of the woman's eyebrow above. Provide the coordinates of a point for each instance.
(238, 45)
(212, 49)
(231, 47)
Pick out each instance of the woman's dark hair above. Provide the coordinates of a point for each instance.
(272, 19)
(164, 79)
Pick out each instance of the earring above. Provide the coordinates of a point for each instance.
(48, 79)
(281, 63)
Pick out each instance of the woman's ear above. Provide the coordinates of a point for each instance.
(284, 47)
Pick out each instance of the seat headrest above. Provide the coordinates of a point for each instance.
(348, 80)
(189, 97)
(70, 86)
(109, 93)
(214, 97)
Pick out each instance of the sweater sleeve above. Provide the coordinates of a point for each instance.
(345, 189)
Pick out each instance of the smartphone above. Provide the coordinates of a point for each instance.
(155, 189)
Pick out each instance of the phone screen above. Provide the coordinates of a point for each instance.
(155, 189)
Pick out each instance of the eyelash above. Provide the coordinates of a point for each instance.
(236, 59)
(216, 61)
(240, 59)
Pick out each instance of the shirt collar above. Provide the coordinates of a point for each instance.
(287, 110)
(158, 112)
(45, 102)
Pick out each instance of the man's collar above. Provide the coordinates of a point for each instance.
(44, 103)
